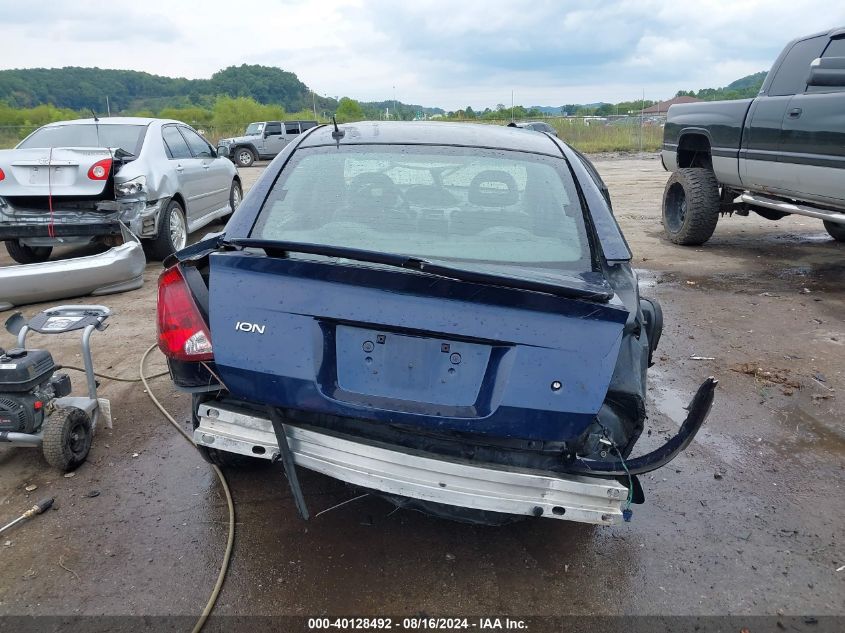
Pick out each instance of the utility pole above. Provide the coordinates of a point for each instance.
(314, 103)
(642, 116)
(394, 102)
(108, 107)
(511, 105)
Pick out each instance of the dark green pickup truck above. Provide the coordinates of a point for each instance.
(781, 153)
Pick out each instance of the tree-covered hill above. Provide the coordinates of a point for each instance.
(87, 88)
(742, 88)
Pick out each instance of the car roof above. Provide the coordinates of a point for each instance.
(114, 120)
(433, 133)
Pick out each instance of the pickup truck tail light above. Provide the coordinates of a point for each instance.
(182, 332)
(2, 175)
(100, 170)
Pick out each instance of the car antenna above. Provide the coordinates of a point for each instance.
(96, 125)
(337, 134)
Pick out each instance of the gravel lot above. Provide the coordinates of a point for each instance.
(748, 521)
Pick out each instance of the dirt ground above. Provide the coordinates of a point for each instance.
(748, 521)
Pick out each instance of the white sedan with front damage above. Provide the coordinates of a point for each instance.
(76, 182)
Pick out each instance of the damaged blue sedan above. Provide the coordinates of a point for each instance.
(442, 314)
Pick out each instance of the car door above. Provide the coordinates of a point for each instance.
(189, 171)
(274, 138)
(214, 189)
(760, 168)
(813, 138)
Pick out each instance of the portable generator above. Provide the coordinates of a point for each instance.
(36, 408)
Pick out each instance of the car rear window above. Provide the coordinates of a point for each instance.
(452, 204)
(127, 137)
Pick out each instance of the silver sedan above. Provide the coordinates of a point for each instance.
(74, 182)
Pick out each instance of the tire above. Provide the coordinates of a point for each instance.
(67, 438)
(236, 195)
(244, 157)
(24, 254)
(235, 461)
(170, 237)
(690, 206)
(836, 231)
(652, 323)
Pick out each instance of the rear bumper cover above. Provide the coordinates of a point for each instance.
(140, 215)
(414, 474)
(117, 270)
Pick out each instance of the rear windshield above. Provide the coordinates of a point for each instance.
(127, 137)
(467, 205)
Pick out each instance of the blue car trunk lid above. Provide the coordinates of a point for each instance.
(400, 347)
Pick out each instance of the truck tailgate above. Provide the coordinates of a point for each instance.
(61, 171)
(405, 348)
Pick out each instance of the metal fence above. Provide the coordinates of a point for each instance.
(623, 133)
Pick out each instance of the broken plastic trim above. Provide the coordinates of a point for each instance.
(698, 409)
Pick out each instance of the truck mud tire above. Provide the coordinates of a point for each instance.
(836, 231)
(244, 157)
(690, 206)
(67, 438)
(172, 232)
(24, 254)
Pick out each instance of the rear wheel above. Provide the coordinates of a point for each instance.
(67, 438)
(235, 196)
(24, 254)
(225, 459)
(691, 206)
(244, 157)
(172, 232)
(837, 231)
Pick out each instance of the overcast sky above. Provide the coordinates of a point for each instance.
(443, 53)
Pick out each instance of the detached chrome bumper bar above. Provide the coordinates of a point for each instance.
(491, 488)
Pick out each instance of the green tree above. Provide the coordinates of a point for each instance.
(349, 110)
(231, 115)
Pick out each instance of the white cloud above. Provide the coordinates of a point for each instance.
(435, 52)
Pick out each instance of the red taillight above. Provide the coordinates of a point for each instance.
(182, 333)
(2, 175)
(100, 170)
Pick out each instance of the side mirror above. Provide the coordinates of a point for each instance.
(829, 71)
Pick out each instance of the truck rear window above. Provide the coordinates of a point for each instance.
(127, 137)
(447, 203)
